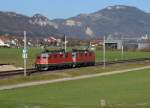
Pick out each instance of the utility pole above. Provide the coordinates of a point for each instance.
(104, 53)
(37, 43)
(122, 49)
(122, 52)
(65, 44)
(24, 55)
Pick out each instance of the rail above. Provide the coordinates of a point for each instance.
(4, 74)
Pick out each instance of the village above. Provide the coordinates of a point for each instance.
(111, 42)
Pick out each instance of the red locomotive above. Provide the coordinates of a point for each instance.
(60, 58)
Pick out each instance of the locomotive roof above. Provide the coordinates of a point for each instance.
(53, 51)
(63, 51)
(76, 50)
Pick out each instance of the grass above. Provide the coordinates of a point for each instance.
(70, 73)
(14, 56)
(117, 55)
(127, 90)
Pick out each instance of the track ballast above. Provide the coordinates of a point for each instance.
(5, 74)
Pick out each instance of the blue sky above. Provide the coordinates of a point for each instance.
(66, 8)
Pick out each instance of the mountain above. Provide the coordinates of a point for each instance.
(14, 24)
(118, 20)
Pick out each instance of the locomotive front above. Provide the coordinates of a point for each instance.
(42, 61)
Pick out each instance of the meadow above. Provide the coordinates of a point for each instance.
(14, 55)
(127, 90)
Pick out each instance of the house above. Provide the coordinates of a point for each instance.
(96, 42)
(3, 44)
(128, 43)
(144, 43)
(52, 41)
(113, 43)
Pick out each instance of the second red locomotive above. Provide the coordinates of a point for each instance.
(60, 58)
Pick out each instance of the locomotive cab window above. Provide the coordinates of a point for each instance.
(74, 55)
(61, 56)
(44, 57)
(66, 55)
(38, 57)
(85, 54)
(55, 56)
(50, 56)
(90, 54)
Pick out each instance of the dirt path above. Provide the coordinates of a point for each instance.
(8, 68)
(69, 79)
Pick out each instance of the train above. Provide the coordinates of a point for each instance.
(60, 59)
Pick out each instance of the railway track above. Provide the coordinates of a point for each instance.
(31, 71)
(16, 72)
(3, 64)
(122, 61)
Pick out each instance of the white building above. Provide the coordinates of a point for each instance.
(144, 43)
(113, 43)
(3, 44)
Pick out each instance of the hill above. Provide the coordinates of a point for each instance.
(117, 20)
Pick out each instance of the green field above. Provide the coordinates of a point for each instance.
(14, 56)
(127, 90)
(117, 55)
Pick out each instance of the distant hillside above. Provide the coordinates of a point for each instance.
(15, 24)
(117, 20)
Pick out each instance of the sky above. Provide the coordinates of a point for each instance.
(65, 8)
